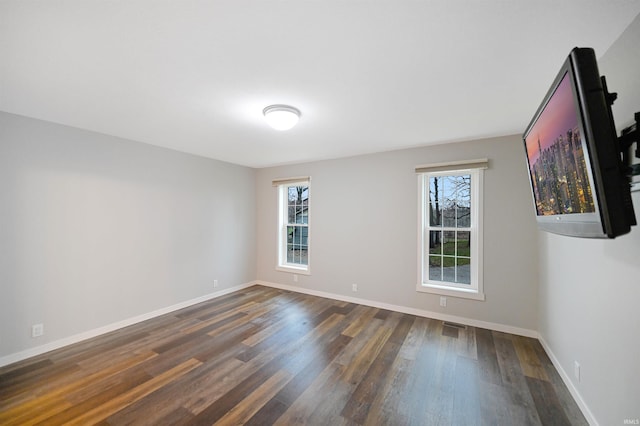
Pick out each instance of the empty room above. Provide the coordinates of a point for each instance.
(319, 212)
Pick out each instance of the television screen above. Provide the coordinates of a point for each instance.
(556, 153)
(577, 178)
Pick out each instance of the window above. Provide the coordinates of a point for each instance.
(450, 223)
(293, 225)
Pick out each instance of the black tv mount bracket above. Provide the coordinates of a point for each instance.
(628, 136)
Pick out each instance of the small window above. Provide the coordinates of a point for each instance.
(293, 226)
(450, 223)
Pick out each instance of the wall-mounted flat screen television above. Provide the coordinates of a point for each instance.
(577, 178)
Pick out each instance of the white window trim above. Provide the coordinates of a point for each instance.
(282, 265)
(476, 290)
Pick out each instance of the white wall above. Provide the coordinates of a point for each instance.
(590, 290)
(95, 229)
(364, 230)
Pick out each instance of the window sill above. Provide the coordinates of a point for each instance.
(293, 270)
(450, 291)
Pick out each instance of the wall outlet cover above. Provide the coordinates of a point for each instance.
(37, 330)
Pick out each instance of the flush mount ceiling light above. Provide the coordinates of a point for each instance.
(281, 117)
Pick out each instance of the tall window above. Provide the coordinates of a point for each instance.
(293, 225)
(450, 245)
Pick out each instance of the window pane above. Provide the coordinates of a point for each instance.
(457, 201)
(463, 217)
(292, 198)
(304, 258)
(464, 243)
(435, 242)
(449, 198)
(449, 269)
(463, 270)
(292, 201)
(298, 204)
(449, 243)
(292, 194)
(289, 253)
(435, 268)
(291, 213)
(435, 200)
(297, 244)
(300, 214)
(463, 201)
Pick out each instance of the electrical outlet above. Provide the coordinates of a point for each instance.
(443, 301)
(37, 330)
(215, 283)
(354, 287)
(576, 370)
(295, 278)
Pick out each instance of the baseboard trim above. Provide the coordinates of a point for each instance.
(406, 310)
(568, 383)
(57, 344)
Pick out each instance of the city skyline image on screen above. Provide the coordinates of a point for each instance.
(557, 163)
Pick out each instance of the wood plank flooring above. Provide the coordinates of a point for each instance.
(264, 356)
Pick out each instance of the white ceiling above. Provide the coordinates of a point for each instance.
(368, 76)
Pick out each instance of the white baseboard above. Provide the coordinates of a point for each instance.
(38, 350)
(568, 383)
(406, 310)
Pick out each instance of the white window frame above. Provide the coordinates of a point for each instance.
(283, 265)
(475, 290)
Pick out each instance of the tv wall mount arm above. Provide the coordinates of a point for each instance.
(628, 136)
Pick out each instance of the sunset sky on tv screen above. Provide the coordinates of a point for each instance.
(558, 116)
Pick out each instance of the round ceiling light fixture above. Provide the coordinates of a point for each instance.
(281, 117)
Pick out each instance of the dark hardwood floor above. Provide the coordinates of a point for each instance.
(263, 356)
